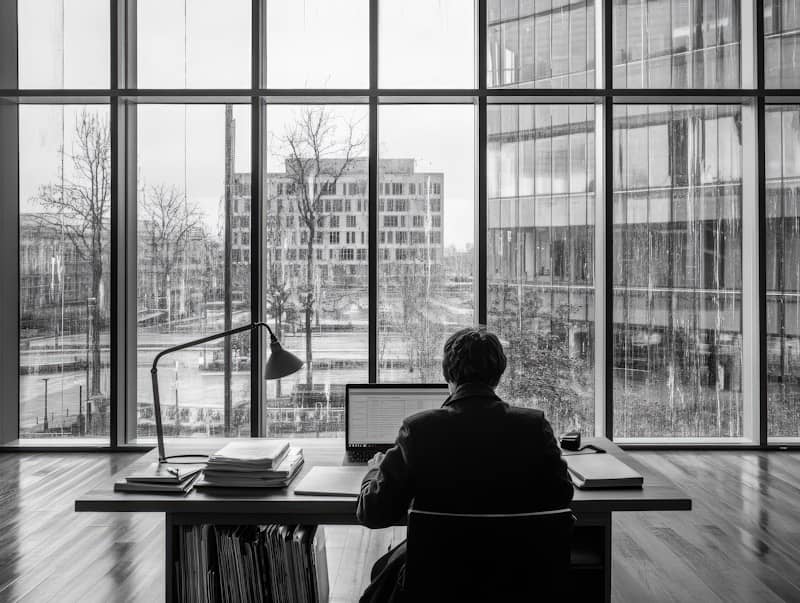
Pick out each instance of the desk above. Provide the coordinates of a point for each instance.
(592, 508)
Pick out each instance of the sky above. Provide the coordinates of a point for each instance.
(310, 43)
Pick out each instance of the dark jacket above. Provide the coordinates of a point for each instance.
(476, 454)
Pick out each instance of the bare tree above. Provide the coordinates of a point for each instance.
(79, 204)
(317, 154)
(167, 222)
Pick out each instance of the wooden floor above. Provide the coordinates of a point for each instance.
(741, 543)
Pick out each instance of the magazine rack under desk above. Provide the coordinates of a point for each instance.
(593, 509)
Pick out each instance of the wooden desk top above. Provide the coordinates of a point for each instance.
(658, 493)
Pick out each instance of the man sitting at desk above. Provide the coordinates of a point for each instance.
(475, 454)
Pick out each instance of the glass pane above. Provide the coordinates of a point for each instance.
(676, 43)
(318, 44)
(193, 44)
(193, 266)
(64, 219)
(426, 204)
(540, 44)
(540, 248)
(426, 44)
(783, 270)
(677, 271)
(315, 260)
(63, 44)
(782, 43)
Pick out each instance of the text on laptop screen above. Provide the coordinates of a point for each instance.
(375, 414)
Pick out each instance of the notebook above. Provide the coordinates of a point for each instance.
(164, 473)
(332, 481)
(602, 471)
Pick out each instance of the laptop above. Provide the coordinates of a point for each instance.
(374, 412)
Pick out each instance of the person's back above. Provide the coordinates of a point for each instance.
(476, 454)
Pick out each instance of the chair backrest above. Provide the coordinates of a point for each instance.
(517, 557)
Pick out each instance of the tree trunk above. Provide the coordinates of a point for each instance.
(309, 308)
(97, 276)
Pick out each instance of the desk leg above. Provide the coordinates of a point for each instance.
(169, 559)
(592, 582)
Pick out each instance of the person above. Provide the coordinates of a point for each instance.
(475, 454)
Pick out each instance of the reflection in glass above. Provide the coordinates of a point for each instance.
(315, 262)
(317, 44)
(540, 246)
(425, 236)
(63, 44)
(193, 266)
(426, 44)
(782, 43)
(64, 219)
(193, 44)
(676, 43)
(541, 44)
(677, 271)
(783, 270)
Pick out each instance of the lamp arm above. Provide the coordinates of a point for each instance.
(154, 372)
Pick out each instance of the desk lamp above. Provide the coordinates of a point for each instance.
(281, 363)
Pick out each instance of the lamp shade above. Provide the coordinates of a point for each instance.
(281, 363)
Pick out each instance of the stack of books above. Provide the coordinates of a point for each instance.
(252, 563)
(253, 463)
(161, 477)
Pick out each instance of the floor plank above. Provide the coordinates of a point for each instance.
(741, 542)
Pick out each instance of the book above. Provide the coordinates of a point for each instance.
(602, 471)
(332, 481)
(164, 473)
(280, 477)
(163, 488)
(250, 454)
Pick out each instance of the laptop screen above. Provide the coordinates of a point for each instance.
(374, 413)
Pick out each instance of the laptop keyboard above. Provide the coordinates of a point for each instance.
(360, 455)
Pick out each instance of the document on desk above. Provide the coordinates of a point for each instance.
(601, 471)
(332, 481)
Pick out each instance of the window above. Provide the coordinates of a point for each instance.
(539, 46)
(181, 269)
(549, 328)
(63, 44)
(192, 44)
(782, 43)
(676, 44)
(418, 221)
(677, 271)
(443, 49)
(327, 56)
(783, 284)
(351, 221)
(422, 300)
(64, 263)
(314, 311)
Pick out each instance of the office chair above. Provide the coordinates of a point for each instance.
(516, 557)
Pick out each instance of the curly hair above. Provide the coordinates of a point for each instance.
(473, 355)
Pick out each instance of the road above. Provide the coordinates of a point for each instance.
(180, 375)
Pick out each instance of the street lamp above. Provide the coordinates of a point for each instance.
(45, 379)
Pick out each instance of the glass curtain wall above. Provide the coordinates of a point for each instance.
(678, 211)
